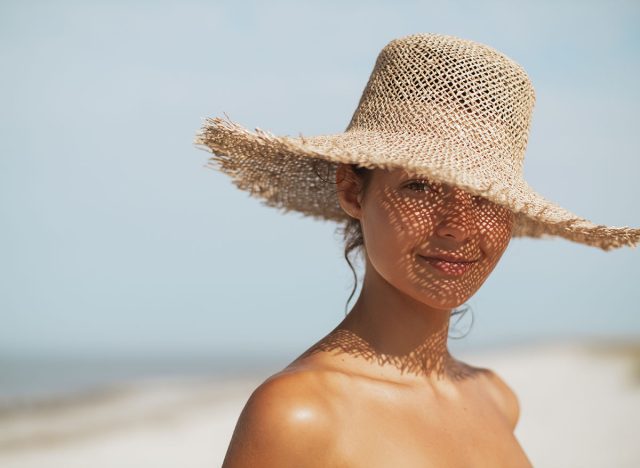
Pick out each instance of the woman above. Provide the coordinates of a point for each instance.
(428, 180)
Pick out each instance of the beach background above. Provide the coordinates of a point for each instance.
(143, 297)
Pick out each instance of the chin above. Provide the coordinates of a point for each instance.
(447, 305)
(431, 300)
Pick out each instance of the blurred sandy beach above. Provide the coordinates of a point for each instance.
(580, 407)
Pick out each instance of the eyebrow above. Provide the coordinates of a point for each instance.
(407, 176)
(404, 174)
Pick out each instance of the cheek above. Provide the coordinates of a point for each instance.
(495, 227)
(394, 229)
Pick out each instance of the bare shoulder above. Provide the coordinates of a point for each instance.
(286, 422)
(505, 396)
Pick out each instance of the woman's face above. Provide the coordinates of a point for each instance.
(408, 220)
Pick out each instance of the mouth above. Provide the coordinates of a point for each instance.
(448, 267)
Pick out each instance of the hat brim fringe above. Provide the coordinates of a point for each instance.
(267, 166)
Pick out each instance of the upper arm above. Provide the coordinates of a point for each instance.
(281, 426)
(506, 398)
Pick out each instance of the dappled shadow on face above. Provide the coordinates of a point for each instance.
(410, 222)
(428, 248)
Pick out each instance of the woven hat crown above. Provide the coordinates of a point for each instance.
(454, 90)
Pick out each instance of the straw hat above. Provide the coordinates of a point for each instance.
(446, 108)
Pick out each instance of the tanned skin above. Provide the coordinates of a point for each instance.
(381, 389)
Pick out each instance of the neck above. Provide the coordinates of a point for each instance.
(399, 336)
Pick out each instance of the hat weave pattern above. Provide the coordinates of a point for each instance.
(449, 109)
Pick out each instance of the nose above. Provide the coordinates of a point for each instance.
(457, 218)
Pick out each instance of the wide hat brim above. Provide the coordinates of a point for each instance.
(298, 174)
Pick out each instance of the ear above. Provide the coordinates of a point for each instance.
(349, 186)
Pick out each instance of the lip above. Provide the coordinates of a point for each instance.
(448, 266)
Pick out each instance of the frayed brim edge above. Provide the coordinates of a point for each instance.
(529, 222)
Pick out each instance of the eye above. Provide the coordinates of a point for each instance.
(420, 185)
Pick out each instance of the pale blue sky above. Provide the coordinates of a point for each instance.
(116, 239)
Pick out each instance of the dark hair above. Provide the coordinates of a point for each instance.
(351, 231)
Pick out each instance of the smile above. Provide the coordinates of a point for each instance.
(449, 268)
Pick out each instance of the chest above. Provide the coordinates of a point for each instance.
(466, 432)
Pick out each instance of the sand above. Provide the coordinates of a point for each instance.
(580, 407)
